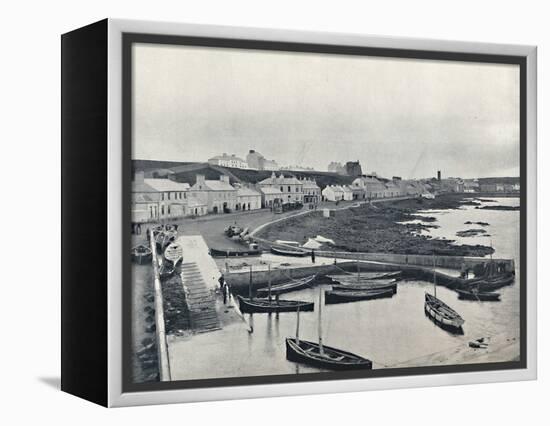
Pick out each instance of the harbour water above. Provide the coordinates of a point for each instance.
(391, 332)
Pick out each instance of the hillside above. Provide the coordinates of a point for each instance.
(186, 172)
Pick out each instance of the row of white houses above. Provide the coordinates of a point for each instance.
(155, 199)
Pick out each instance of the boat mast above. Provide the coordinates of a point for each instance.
(321, 350)
(358, 271)
(269, 282)
(435, 285)
(250, 285)
(298, 325)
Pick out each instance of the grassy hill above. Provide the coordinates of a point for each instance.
(186, 172)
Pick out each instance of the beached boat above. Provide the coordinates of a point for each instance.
(295, 252)
(440, 313)
(443, 315)
(318, 355)
(164, 238)
(174, 253)
(269, 305)
(142, 255)
(234, 253)
(474, 294)
(367, 276)
(288, 286)
(347, 296)
(366, 285)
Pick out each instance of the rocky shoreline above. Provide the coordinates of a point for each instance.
(378, 228)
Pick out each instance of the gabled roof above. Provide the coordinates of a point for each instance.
(310, 184)
(271, 191)
(280, 180)
(247, 192)
(159, 185)
(346, 189)
(214, 185)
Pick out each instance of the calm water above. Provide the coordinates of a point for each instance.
(387, 331)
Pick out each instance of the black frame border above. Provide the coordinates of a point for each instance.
(128, 39)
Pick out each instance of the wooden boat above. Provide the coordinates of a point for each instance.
(347, 296)
(367, 276)
(289, 252)
(443, 315)
(366, 285)
(474, 294)
(164, 238)
(267, 305)
(289, 286)
(174, 253)
(142, 255)
(166, 270)
(234, 253)
(479, 343)
(488, 284)
(440, 313)
(318, 355)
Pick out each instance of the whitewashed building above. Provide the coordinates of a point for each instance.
(312, 192)
(271, 196)
(248, 199)
(348, 193)
(218, 195)
(291, 188)
(333, 193)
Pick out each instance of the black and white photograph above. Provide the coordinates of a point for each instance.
(297, 214)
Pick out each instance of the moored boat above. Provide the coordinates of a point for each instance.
(174, 253)
(234, 253)
(142, 255)
(366, 285)
(284, 251)
(347, 296)
(288, 286)
(267, 305)
(166, 270)
(367, 276)
(473, 294)
(318, 355)
(328, 358)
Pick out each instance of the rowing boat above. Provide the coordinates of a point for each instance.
(317, 354)
(288, 286)
(367, 276)
(174, 253)
(346, 296)
(366, 285)
(141, 255)
(477, 295)
(267, 305)
(443, 315)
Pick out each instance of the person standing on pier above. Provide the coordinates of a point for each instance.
(221, 280)
(225, 290)
(312, 256)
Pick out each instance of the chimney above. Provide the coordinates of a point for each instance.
(439, 175)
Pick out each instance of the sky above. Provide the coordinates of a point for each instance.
(398, 117)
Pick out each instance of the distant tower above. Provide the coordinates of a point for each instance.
(439, 175)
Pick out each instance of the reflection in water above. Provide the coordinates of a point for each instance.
(387, 331)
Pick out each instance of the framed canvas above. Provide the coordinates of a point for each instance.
(251, 212)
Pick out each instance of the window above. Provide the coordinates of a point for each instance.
(282, 189)
(168, 195)
(162, 209)
(288, 188)
(162, 196)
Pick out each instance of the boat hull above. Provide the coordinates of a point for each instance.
(433, 309)
(288, 287)
(347, 296)
(306, 352)
(289, 252)
(248, 306)
(234, 253)
(365, 287)
(481, 296)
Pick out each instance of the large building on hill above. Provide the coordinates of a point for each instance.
(353, 168)
(257, 161)
(218, 195)
(226, 160)
(335, 167)
(291, 188)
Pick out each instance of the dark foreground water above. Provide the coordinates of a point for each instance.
(387, 331)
